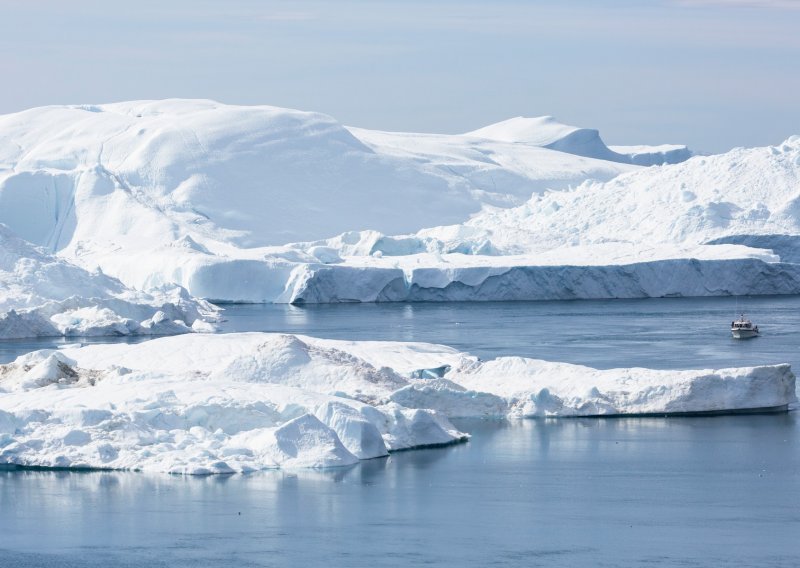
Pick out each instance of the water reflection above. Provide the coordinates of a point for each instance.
(609, 492)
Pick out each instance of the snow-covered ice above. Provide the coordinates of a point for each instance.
(248, 401)
(42, 295)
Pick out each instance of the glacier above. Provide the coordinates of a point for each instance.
(205, 403)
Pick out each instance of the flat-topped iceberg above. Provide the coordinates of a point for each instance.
(249, 401)
(456, 277)
(710, 226)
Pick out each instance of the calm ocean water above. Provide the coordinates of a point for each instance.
(716, 491)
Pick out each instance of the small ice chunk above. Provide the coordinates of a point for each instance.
(307, 442)
(359, 435)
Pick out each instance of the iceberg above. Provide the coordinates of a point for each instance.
(547, 132)
(642, 155)
(458, 279)
(205, 403)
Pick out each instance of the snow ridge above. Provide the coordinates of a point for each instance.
(547, 132)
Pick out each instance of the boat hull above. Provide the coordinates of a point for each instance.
(744, 333)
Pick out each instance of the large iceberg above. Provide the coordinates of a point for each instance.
(207, 195)
(263, 204)
(42, 295)
(241, 402)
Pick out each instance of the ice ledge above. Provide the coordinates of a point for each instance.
(661, 278)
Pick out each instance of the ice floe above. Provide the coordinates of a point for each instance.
(241, 402)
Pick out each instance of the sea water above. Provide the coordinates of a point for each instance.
(571, 492)
(660, 333)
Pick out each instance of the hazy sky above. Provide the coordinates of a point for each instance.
(712, 74)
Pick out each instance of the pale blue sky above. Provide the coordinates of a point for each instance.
(709, 73)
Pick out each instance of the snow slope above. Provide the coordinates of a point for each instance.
(41, 295)
(241, 402)
(144, 173)
(505, 172)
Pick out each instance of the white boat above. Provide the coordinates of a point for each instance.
(743, 328)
